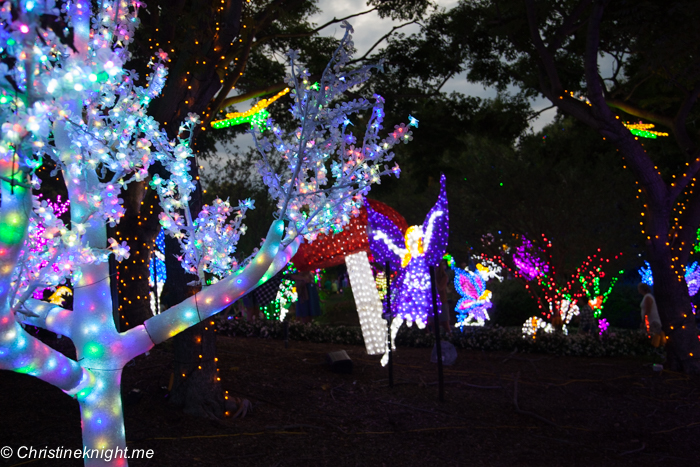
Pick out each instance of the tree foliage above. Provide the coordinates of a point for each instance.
(603, 63)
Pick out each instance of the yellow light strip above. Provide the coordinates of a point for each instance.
(644, 127)
(256, 108)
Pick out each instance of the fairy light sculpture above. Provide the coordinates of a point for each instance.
(472, 308)
(411, 255)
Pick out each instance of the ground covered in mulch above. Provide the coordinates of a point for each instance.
(500, 408)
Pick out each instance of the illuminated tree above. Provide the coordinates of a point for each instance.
(66, 99)
(220, 53)
(596, 283)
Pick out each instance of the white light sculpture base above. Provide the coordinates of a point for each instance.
(369, 306)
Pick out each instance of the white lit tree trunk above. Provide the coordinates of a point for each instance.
(369, 306)
(102, 352)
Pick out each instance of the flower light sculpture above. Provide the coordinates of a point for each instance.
(556, 296)
(533, 325)
(411, 255)
(59, 208)
(646, 275)
(285, 295)
(65, 97)
(529, 264)
(692, 278)
(157, 272)
(591, 275)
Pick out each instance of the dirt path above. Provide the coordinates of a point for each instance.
(499, 409)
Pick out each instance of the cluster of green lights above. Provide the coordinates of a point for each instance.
(450, 260)
(644, 130)
(696, 248)
(259, 119)
(643, 134)
(593, 292)
(285, 296)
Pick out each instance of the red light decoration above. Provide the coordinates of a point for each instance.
(330, 250)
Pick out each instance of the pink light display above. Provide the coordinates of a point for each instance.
(58, 208)
(528, 263)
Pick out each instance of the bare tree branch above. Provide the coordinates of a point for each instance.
(570, 25)
(679, 129)
(640, 113)
(540, 112)
(384, 37)
(629, 95)
(550, 83)
(546, 60)
(338, 20)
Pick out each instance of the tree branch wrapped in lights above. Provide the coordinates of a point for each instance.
(68, 99)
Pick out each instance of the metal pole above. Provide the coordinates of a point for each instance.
(387, 272)
(155, 280)
(436, 324)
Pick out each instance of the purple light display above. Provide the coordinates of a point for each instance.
(692, 278)
(529, 265)
(411, 255)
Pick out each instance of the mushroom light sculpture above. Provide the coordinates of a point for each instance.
(351, 246)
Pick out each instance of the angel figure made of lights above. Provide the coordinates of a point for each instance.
(411, 255)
